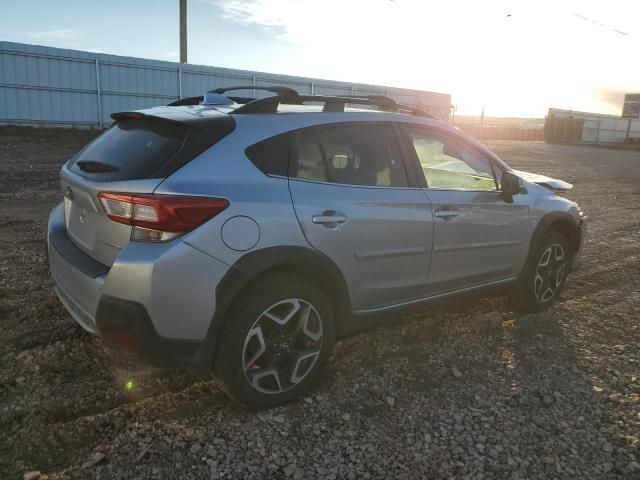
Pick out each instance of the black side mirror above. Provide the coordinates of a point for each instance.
(511, 185)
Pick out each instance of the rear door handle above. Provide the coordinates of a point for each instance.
(446, 214)
(322, 219)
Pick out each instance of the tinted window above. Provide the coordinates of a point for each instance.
(271, 155)
(447, 167)
(130, 149)
(353, 155)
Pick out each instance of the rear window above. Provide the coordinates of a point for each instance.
(131, 149)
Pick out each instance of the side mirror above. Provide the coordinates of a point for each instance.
(511, 185)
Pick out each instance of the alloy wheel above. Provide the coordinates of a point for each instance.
(549, 273)
(282, 346)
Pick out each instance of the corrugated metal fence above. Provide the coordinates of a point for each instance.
(570, 127)
(45, 86)
(611, 130)
(499, 132)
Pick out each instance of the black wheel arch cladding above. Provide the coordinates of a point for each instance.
(561, 222)
(292, 259)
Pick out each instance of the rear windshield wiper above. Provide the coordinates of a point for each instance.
(92, 166)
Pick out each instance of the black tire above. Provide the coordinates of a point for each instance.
(274, 291)
(527, 297)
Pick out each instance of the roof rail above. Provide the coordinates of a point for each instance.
(417, 111)
(401, 108)
(331, 103)
(286, 95)
(387, 102)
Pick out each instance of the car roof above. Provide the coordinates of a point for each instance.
(290, 117)
(200, 115)
(299, 116)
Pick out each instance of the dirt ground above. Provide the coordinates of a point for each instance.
(466, 390)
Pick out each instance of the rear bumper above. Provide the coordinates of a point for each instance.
(77, 277)
(159, 297)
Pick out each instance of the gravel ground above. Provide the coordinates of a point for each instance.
(465, 390)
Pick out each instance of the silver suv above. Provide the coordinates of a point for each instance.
(245, 235)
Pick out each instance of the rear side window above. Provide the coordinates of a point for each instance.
(271, 155)
(352, 155)
(130, 149)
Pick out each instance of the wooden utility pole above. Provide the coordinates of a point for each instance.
(183, 31)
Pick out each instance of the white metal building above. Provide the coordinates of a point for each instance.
(44, 86)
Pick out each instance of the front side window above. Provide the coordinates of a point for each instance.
(480, 162)
(448, 165)
(351, 155)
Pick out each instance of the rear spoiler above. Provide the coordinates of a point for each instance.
(209, 120)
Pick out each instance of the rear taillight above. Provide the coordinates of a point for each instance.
(158, 218)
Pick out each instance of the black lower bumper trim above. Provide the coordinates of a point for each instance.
(119, 319)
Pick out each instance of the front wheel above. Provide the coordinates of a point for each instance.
(275, 342)
(544, 275)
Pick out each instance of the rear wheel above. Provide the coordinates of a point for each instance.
(545, 273)
(275, 342)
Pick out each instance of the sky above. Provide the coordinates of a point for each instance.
(510, 58)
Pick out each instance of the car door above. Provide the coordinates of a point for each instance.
(479, 236)
(357, 205)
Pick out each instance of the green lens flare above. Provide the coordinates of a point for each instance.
(129, 385)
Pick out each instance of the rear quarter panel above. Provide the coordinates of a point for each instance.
(224, 171)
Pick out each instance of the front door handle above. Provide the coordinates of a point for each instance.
(446, 213)
(323, 219)
(329, 219)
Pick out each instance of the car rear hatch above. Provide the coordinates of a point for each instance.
(134, 156)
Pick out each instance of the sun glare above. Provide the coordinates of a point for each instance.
(508, 58)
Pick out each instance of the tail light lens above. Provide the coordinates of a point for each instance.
(159, 218)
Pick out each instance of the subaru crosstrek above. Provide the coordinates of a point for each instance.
(245, 235)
